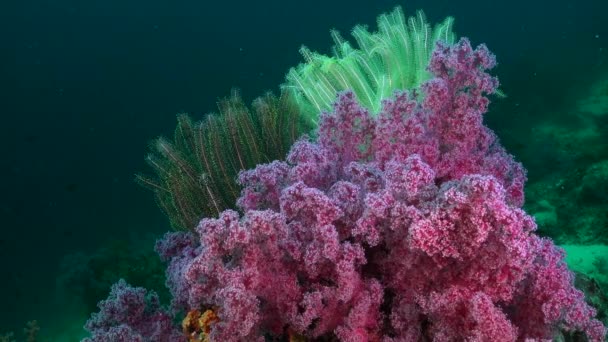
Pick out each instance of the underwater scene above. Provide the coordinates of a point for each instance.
(394, 171)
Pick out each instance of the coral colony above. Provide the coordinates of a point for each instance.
(405, 225)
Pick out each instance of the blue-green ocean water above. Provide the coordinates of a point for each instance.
(84, 86)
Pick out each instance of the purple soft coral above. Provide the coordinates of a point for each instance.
(445, 127)
(407, 227)
(398, 228)
(131, 315)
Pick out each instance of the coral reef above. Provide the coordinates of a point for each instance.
(131, 315)
(566, 152)
(402, 227)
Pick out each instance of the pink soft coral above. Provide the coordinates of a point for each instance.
(407, 227)
(400, 228)
(131, 315)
